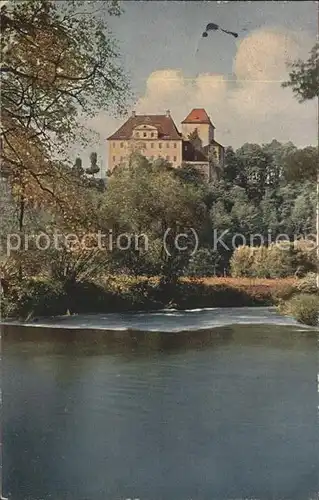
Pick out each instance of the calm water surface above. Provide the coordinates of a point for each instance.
(199, 405)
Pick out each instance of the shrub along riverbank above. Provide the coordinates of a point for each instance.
(46, 297)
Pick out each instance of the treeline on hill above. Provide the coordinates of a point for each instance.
(141, 202)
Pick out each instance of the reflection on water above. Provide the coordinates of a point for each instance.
(218, 413)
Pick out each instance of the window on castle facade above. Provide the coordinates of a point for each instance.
(152, 134)
(175, 145)
(160, 145)
(122, 144)
(167, 144)
(144, 134)
(114, 158)
(175, 158)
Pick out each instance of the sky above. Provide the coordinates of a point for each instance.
(238, 81)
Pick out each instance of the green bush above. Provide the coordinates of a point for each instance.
(35, 297)
(278, 261)
(305, 309)
(203, 263)
(308, 284)
(304, 257)
(241, 261)
(261, 262)
(193, 295)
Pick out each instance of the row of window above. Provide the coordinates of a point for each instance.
(168, 158)
(152, 145)
(137, 134)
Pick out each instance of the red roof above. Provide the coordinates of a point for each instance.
(198, 115)
(164, 124)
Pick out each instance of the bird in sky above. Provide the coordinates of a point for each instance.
(216, 27)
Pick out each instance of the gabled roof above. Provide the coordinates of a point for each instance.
(164, 124)
(213, 142)
(198, 115)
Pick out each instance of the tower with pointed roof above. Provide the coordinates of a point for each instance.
(198, 120)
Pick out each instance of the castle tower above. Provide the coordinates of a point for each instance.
(198, 119)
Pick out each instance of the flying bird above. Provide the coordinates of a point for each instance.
(212, 26)
(215, 27)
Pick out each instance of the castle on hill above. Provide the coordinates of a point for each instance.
(156, 136)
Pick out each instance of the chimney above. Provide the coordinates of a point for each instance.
(133, 113)
(168, 113)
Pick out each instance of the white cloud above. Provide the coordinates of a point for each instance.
(264, 54)
(252, 108)
(255, 108)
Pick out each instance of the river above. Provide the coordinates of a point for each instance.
(197, 405)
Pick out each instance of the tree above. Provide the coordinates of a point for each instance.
(77, 168)
(203, 263)
(94, 168)
(60, 66)
(255, 165)
(304, 80)
(194, 139)
(233, 166)
(277, 153)
(301, 164)
(189, 173)
(144, 199)
(304, 77)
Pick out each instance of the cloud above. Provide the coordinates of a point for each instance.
(264, 54)
(249, 106)
(252, 107)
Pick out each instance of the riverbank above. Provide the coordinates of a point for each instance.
(44, 297)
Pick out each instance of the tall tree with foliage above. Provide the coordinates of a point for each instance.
(60, 65)
(301, 164)
(93, 168)
(304, 76)
(304, 81)
(255, 163)
(145, 199)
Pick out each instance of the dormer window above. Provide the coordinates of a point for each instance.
(152, 134)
